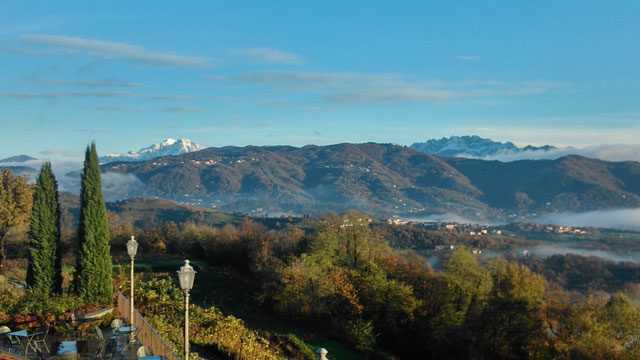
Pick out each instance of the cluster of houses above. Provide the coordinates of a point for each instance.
(213, 162)
(555, 229)
(347, 222)
(461, 229)
(445, 248)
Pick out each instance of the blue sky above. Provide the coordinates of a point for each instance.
(129, 73)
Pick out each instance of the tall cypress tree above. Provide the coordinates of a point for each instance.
(44, 234)
(94, 278)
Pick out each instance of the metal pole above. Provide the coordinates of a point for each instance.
(186, 325)
(132, 335)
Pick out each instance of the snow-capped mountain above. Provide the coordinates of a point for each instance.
(474, 147)
(167, 147)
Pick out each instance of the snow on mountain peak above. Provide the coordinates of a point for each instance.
(166, 147)
(473, 146)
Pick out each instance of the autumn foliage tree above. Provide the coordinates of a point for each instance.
(15, 207)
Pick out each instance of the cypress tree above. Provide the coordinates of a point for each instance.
(94, 278)
(44, 234)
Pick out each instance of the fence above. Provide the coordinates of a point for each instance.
(145, 333)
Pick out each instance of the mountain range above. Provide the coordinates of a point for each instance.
(165, 148)
(474, 147)
(382, 179)
(17, 159)
(17, 170)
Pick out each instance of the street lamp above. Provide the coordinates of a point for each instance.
(322, 354)
(132, 250)
(186, 276)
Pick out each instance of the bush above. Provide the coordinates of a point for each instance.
(361, 334)
(46, 306)
(162, 303)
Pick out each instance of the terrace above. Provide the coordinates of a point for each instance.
(86, 337)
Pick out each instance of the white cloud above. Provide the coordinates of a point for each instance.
(107, 83)
(591, 131)
(89, 94)
(616, 152)
(115, 50)
(180, 109)
(468, 57)
(272, 55)
(55, 95)
(360, 88)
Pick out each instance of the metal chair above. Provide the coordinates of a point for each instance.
(15, 343)
(106, 348)
(38, 342)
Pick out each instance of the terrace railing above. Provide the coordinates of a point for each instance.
(147, 334)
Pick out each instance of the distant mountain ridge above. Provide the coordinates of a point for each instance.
(165, 148)
(20, 170)
(382, 179)
(17, 159)
(473, 147)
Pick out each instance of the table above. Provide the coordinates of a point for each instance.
(68, 350)
(126, 329)
(67, 347)
(20, 333)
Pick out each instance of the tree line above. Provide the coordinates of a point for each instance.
(340, 274)
(38, 207)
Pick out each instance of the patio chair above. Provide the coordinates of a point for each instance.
(101, 351)
(15, 343)
(38, 342)
(67, 349)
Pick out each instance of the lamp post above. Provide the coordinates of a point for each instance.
(186, 276)
(132, 250)
(322, 354)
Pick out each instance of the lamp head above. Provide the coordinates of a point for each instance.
(132, 247)
(186, 276)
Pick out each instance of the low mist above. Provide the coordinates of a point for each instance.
(449, 218)
(619, 152)
(116, 186)
(623, 219)
(547, 250)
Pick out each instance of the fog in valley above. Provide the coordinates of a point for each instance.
(623, 219)
(116, 186)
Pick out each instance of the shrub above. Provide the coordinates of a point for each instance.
(162, 303)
